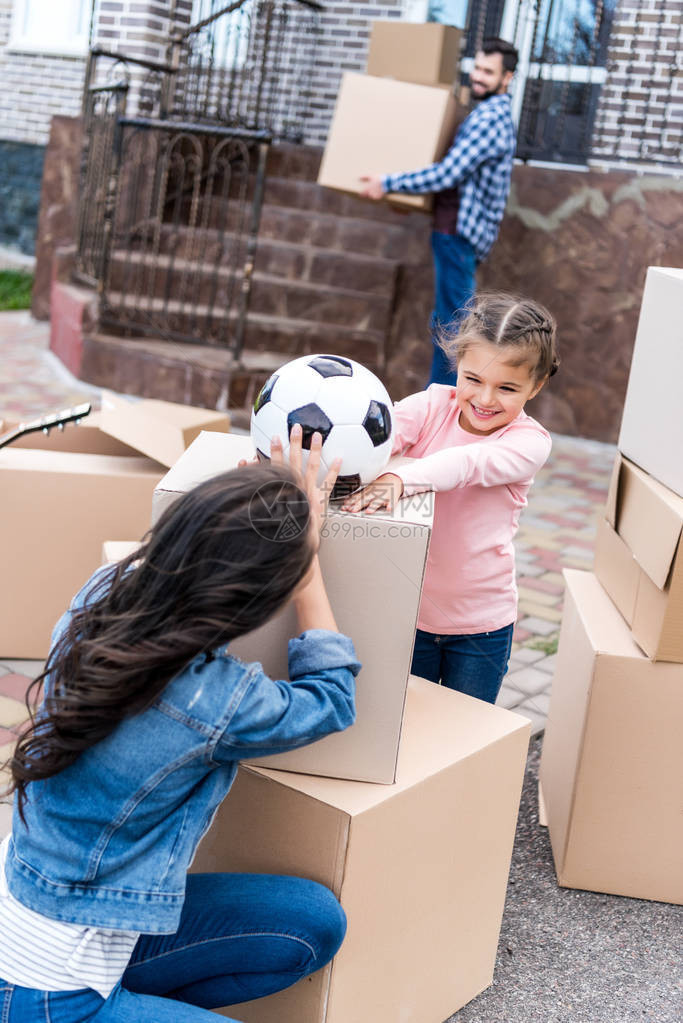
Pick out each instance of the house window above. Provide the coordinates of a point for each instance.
(562, 48)
(226, 38)
(44, 26)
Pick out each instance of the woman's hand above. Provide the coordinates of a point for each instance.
(385, 492)
(318, 495)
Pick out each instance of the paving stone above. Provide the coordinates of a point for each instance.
(509, 698)
(7, 739)
(24, 667)
(14, 685)
(537, 626)
(548, 664)
(537, 720)
(530, 570)
(537, 596)
(528, 655)
(12, 712)
(531, 608)
(528, 680)
(537, 704)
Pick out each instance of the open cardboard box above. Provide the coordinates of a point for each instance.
(639, 558)
(373, 568)
(612, 763)
(651, 432)
(425, 53)
(420, 867)
(63, 495)
(159, 429)
(383, 126)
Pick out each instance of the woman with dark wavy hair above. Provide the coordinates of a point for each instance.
(136, 742)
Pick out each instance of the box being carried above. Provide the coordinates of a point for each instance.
(426, 53)
(652, 425)
(611, 770)
(420, 867)
(373, 568)
(639, 559)
(381, 126)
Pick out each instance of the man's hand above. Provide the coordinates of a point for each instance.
(383, 493)
(373, 189)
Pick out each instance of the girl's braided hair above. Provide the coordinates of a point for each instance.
(507, 321)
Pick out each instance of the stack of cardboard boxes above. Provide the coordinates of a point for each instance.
(611, 773)
(408, 816)
(402, 114)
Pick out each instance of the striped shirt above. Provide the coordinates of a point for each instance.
(479, 165)
(48, 955)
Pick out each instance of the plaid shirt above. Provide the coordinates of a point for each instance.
(479, 165)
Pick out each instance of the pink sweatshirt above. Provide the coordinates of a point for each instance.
(481, 485)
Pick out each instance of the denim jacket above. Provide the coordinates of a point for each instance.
(108, 841)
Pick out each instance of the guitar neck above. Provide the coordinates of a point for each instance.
(47, 423)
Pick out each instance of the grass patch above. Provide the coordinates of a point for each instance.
(548, 644)
(15, 289)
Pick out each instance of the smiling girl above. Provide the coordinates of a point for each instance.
(479, 451)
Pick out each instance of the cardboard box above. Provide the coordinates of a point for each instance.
(373, 568)
(67, 492)
(159, 429)
(381, 126)
(639, 559)
(426, 54)
(652, 425)
(612, 761)
(57, 509)
(420, 866)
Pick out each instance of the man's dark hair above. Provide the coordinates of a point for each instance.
(492, 44)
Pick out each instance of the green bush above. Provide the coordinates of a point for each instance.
(15, 289)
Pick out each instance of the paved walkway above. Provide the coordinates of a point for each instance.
(556, 530)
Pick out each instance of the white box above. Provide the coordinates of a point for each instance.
(652, 425)
(373, 568)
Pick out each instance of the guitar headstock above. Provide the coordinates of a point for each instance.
(60, 419)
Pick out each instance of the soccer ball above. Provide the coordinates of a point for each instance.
(338, 398)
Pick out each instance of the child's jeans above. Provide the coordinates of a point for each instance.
(474, 665)
(241, 936)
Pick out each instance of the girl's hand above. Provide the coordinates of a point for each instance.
(318, 495)
(385, 492)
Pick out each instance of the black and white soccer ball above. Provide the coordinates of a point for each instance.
(340, 399)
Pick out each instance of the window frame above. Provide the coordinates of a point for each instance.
(21, 41)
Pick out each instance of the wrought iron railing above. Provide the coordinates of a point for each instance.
(173, 167)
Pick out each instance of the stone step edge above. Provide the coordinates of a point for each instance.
(313, 287)
(289, 324)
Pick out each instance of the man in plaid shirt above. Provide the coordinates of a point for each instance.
(471, 185)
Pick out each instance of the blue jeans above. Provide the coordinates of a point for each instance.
(454, 267)
(241, 936)
(474, 665)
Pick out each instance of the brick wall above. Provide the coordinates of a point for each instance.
(34, 87)
(343, 46)
(640, 116)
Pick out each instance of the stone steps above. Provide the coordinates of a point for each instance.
(266, 328)
(279, 264)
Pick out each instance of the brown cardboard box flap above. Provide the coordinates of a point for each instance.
(159, 429)
(649, 519)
